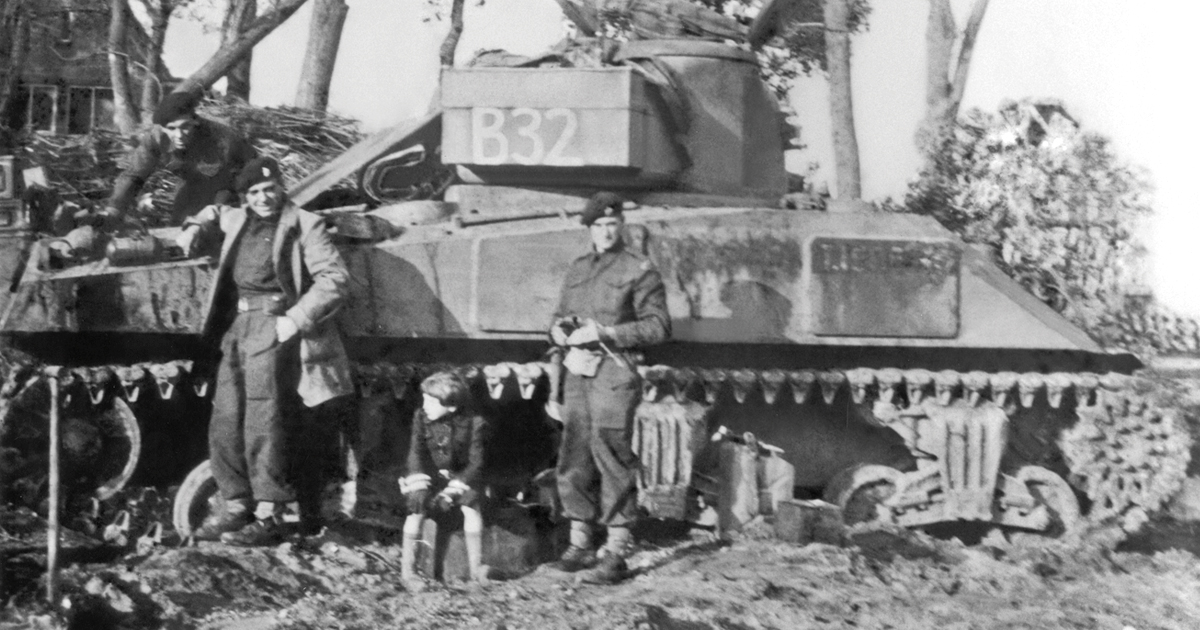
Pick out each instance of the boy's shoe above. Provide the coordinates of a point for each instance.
(575, 559)
(610, 570)
(214, 528)
(263, 532)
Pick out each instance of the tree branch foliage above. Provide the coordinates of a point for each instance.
(800, 50)
(1061, 214)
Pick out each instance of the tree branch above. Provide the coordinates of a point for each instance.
(124, 110)
(939, 48)
(450, 43)
(841, 104)
(219, 63)
(959, 85)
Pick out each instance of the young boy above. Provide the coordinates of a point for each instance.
(445, 462)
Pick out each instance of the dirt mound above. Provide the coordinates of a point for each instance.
(885, 578)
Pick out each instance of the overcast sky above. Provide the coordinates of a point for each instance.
(1124, 69)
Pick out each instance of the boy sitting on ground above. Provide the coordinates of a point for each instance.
(445, 465)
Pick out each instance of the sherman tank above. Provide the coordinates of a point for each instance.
(902, 373)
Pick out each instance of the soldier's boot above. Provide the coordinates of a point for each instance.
(408, 554)
(473, 538)
(611, 568)
(267, 529)
(579, 555)
(234, 518)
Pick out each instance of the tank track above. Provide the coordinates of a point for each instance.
(1124, 453)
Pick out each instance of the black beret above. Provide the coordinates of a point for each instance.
(176, 105)
(602, 204)
(257, 171)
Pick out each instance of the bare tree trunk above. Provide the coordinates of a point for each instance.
(324, 37)
(238, 17)
(160, 16)
(946, 77)
(125, 114)
(223, 60)
(450, 44)
(16, 24)
(841, 104)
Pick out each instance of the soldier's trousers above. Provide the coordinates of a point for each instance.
(254, 405)
(597, 467)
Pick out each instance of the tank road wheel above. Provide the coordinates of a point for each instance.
(100, 443)
(1055, 493)
(861, 490)
(196, 500)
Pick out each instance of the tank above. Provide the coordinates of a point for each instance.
(903, 375)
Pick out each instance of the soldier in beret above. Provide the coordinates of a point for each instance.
(279, 282)
(613, 304)
(205, 154)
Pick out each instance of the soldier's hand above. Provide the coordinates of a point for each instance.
(589, 332)
(187, 240)
(285, 329)
(443, 502)
(111, 220)
(558, 334)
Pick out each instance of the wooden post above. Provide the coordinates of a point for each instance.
(52, 532)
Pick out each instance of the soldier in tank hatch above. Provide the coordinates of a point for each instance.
(205, 154)
(613, 304)
(445, 466)
(281, 280)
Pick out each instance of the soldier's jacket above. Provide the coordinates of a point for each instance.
(206, 168)
(453, 443)
(618, 288)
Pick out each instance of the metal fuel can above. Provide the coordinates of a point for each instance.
(141, 249)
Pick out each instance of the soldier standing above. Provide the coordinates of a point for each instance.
(279, 267)
(205, 154)
(613, 304)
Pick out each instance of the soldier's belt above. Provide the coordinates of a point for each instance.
(271, 303)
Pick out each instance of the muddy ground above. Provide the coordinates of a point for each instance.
(682, 580)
